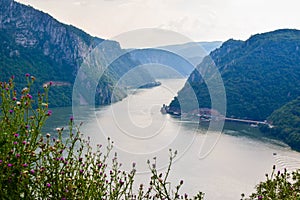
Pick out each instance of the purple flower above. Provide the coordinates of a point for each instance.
(6, 89)
(50, 83)
(259, 197)
(27, 126)
(81, 171)
(24, 142)
(0, 161)
(9, 165)
(25, 165)
(27, 75)
(49, 113)
(14, 98)
(71, 118)
(29, 96)
(18, 155)
(32, 171)
(15, 143)
(64, 198)
(12, 77)
(48, 185)
(16, 134)
(11, 111)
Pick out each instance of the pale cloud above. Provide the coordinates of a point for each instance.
(198, 19)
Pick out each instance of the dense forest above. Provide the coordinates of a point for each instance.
(260, 75)
(286, 124)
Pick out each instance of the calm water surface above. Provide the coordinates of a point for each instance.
(223, 165)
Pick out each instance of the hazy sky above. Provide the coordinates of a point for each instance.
(200, 20)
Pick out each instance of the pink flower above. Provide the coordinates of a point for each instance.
(9, 165)
(14, 98)
(49, 113)
(16, 134)
(48, 185)
(27, 75)
(25, 165)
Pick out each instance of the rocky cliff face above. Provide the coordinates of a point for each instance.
(33, 42)
(31, 28)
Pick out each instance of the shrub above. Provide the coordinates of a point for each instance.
(36, 165)
(278, 186)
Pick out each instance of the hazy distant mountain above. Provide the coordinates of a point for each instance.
(34, 42)
(260, 74)
(174, 60)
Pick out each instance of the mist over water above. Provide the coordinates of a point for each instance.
(237, 162)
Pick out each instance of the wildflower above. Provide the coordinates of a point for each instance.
(18, 103)
(27, 74)
(25, 89)
(16, 134)
(0, 161)
(25, 165)
(14, 98)
(18, 155)
(45, 104)
(29, 96)
(9, 165)
(11, 111)
(15, 143)
(71, 118)
(32, 171)
(48, 185)
(24, 142)
(27, 126)
(32, 78)
(48, 135)
(12, 77)
(49, 113)
(259, 197)
(50, 83)
(81, 171)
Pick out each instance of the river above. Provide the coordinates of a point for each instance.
(221, 164)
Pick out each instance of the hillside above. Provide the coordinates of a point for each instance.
(34, 42)
(286, 122)
(260, 74)
(173, 61)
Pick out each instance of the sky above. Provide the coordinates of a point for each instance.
(198, 20)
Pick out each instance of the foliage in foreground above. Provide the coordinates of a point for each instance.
(36, 165)
(278, 186)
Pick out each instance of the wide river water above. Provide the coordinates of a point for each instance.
(221, 164)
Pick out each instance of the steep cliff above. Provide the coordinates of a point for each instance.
(32, 41)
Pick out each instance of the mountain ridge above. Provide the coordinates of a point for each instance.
(260, 74)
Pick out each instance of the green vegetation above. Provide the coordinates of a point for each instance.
(278, 186)
(36, 165)
(34, 42)
(286, 122)
(260, 75)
